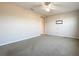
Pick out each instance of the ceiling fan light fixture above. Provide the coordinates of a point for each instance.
(47, 9)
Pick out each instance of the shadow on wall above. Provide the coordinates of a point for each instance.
(77, 31)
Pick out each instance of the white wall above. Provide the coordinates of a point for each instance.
(17, 24)
(69, 28)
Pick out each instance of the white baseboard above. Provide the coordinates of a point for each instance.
(65, 36)
(33, 37)
(19, 40)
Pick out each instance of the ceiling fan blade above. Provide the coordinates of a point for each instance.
(42, 4)
(60, 5)
(36, 6)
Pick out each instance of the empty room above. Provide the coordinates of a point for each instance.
(39, 28)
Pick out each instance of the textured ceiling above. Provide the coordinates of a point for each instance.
(63, 7)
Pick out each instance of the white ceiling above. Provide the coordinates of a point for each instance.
(64, 7)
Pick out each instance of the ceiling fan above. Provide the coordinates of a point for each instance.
(48, 6)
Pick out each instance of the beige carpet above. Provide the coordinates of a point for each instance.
(42, 46)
